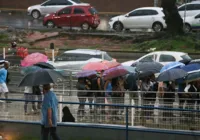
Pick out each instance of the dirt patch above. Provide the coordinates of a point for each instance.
(82, 42)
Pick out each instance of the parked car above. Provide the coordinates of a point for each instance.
(76, 59)
(146, 18)
(192, 23)
(50, 6)
(189, 9)
(162, 57)
(73, 16)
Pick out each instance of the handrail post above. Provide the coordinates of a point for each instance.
(126, 122)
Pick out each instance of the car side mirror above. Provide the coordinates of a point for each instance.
(127, 15)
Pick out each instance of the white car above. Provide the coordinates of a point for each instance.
(163, 57)
(192, 23)
(50, 6)
(76, 59)
(141, 18)
(189, 9)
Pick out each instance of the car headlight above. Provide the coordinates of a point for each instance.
(29, 8)
(47, 15)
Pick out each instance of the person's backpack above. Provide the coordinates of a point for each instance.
(36, 90)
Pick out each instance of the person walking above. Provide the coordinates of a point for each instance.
(29, 97)
(49, 114)
(3, 80)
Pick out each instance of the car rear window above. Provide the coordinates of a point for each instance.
(93, 11)
(106, 57)
(186, 57)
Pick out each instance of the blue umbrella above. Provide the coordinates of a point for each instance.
(130, 69)
(171, 66)
(191, 67)
(26, 70)
(171, 75)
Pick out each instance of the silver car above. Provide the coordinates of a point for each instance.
(51, 6)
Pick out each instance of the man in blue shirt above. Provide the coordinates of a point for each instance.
(49, 114)
(3, 77)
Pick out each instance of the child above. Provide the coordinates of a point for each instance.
(67, 116)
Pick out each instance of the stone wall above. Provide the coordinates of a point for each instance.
(100, 5)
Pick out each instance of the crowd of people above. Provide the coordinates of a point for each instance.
(98, 89)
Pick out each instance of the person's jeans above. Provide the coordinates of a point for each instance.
(46, 131)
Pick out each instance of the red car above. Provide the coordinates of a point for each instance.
(83, 16)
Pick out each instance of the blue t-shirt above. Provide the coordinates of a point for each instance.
(3, 75)
(109, 89)
(49, 101)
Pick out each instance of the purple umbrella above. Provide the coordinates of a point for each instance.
(115, 72)
(86, 73)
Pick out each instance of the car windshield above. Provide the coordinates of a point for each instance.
(93, 11)
(76, 1)
(186, 57)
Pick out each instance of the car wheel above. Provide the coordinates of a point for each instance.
(35, 14)
(118, 26)
(50, 24)
(157, 27)
(187, 28)
(85, 26)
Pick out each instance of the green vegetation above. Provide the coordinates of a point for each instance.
(188, 43)
(4, 37)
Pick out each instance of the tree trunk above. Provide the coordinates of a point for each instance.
(172, 18)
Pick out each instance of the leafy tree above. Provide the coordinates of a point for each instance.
(172, 18)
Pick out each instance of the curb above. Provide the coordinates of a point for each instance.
(24, 10)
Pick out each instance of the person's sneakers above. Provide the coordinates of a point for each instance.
(26, 113)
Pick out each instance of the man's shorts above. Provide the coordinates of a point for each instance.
(3, 88)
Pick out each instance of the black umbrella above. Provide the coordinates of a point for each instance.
(41, 77)
(44, 65)
(148, 67)
(171, 75)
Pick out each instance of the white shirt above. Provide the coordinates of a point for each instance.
(28, 90)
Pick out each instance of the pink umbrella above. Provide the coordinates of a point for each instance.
(33, 58)
(98, 66)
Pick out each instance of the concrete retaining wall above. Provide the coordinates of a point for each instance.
(73, 131)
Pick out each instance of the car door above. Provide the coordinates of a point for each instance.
(64, 17)
(166, 58)
(148, 19)
(139, 19)
(48, 7)
(132, 19)
(196, 22)
(78, 17)
(188, 10)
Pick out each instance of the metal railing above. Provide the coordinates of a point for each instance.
(147, 112)
(129, 116)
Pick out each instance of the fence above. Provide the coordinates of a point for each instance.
(137, 111)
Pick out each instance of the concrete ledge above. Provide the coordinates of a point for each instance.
(81, 131)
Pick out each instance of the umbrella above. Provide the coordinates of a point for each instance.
(33, 58)
(40, 77)
(171, 66)
(130, 69)
(193, 76)
(171, 75)
(44, 65)
(191, 67)
(115, 72)
(26, 70)
(100, 65)
(148, 67)
(86, 73)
